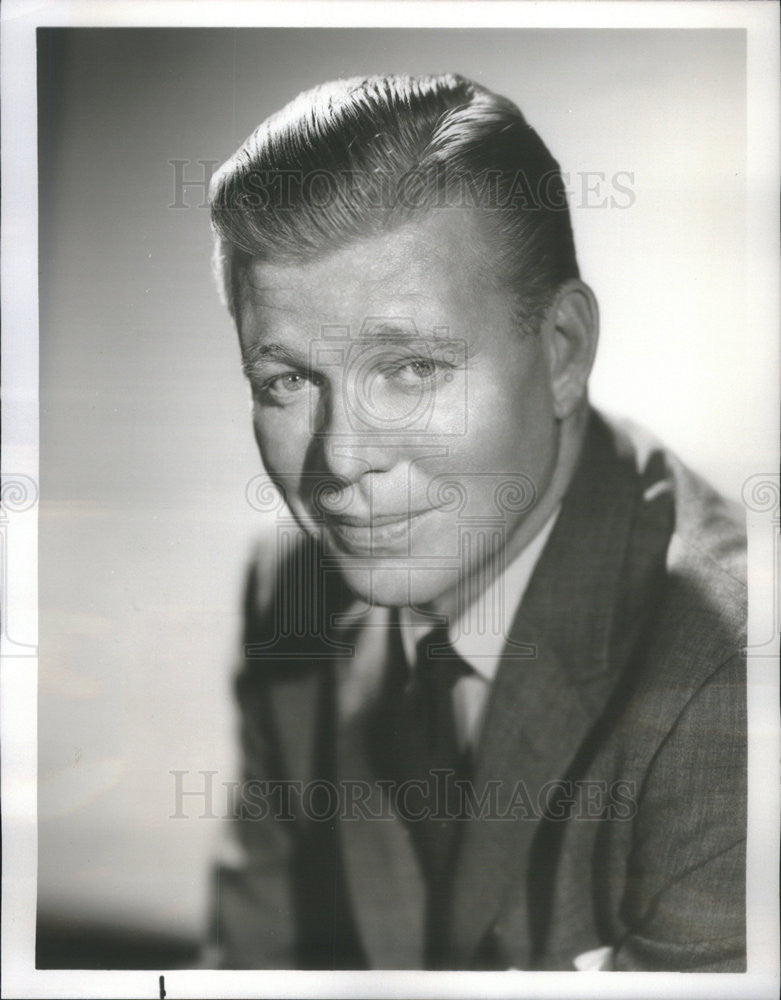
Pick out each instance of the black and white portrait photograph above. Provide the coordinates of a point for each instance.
(390, 499)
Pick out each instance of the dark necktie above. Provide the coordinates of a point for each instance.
(415, 746)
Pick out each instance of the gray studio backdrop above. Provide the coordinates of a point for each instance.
(146, 447)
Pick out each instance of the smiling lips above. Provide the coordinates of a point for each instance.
(375, 533)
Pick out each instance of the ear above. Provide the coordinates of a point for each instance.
(571, 331)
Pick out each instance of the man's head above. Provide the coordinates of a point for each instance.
(398, 257)
(360, 157)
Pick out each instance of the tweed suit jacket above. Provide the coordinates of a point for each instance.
(609, 781)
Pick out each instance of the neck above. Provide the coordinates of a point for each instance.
(569, 443)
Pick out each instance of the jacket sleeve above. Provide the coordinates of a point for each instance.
(252, 904)
(685, 901)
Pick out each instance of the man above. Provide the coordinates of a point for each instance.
(493, 700)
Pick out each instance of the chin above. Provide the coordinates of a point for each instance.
(398, 584)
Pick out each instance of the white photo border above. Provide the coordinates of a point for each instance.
(20, 467)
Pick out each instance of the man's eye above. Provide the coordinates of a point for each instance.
(417, 370)
(280, 388)
(424, 368)
(289, 382)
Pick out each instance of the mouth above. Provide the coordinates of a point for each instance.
(384, 531)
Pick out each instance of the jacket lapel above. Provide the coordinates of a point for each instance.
(534, 723)
(542, 706)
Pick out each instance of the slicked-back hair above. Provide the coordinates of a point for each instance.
(355, 158)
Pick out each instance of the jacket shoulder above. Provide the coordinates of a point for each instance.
(292, 594)
(705, 564)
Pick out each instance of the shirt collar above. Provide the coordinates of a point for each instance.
(479, 635)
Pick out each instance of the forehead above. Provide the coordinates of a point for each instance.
(436, 271)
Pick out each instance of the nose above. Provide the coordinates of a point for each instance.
(350, 447)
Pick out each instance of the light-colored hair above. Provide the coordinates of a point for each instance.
(355, 158)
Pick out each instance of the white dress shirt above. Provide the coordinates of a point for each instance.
(479, 635)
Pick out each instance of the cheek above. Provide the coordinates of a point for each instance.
(507, 454)
(508, 428)
(283, 444)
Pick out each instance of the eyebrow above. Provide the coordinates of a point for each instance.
(256, 355)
